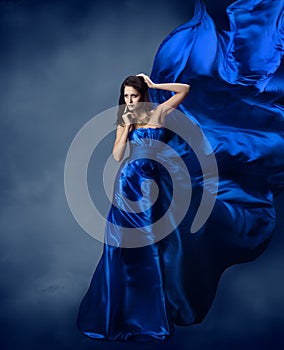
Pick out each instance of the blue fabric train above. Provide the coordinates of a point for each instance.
(236, 77)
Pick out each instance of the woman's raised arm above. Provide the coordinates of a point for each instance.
(181, 91)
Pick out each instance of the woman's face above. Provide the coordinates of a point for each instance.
(132, 97)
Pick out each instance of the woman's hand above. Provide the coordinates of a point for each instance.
(128, 119)
(122, 135)
(147, 80)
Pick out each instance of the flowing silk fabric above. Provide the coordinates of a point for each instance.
(236, 77)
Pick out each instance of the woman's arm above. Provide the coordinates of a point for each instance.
(181, 91)
(121, 139)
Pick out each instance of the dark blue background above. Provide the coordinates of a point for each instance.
(61, 63)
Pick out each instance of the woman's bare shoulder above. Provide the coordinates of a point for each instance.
(156, 115)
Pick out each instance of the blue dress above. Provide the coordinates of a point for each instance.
(236, 80)
(139, 293)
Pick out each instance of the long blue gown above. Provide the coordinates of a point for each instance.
(235, 76)
(139, 293)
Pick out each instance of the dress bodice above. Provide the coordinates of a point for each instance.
(138, 136)
(146, 141)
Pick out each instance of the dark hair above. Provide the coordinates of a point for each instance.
(138, 83)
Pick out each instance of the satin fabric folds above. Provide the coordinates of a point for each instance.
(236, 78)
(139, 293)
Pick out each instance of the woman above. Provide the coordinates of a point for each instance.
(141, 293)
(133, 295)
(134, 91)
